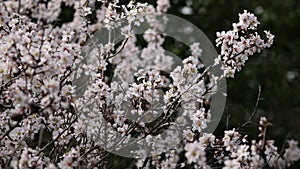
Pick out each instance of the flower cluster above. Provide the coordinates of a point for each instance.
(234, 151)
(62, 106)
(36, 90)
(240, 43)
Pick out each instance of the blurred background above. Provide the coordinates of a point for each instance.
(276, 70)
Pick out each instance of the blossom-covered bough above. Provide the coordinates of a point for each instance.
(60, 108)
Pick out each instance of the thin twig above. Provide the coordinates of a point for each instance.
(263, 145)
(284, 144)
(254, 110)
(227, 121)
(122, 47)
(19, 6)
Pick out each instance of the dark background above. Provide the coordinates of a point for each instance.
(271, 69)
(276, 70)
